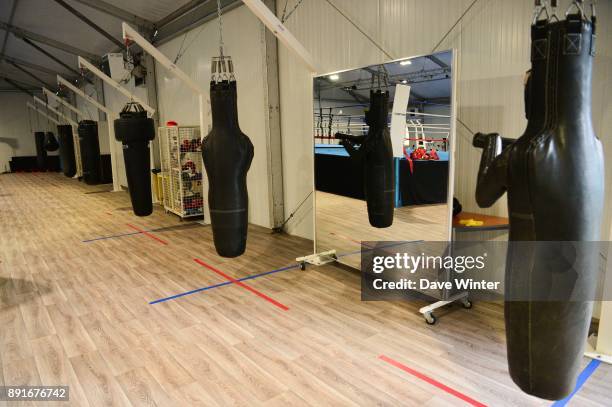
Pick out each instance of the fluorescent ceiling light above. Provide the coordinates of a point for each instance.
(406, 62)
(334, 77)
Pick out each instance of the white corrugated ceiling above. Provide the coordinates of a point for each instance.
(152, 10)
(48, 18)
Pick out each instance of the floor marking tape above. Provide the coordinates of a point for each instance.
(584, 376)
(241, 284)
(197, 290)
(162, 229)
(254, 276)
(190, 292)
(431, 381)
(110, 237)
(144, 232)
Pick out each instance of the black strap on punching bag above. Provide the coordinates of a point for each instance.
(51, 143)
(227, 154)
(554, 195)
(90, 151)
(66, 149)
(135, 130)
(41, 153)
(376, 152)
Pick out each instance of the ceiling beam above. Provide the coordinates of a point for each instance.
(20, 32)
(5, 75)
(356, 96)
(410, 78)
(11, 17)
(184, 9)
(30, 74)
(117, 12)
(89, 22)
(54, 58)
(437, 61)
(16, 85)
(27, 64)
(196, 16)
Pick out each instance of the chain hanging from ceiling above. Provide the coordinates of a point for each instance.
(222, 67)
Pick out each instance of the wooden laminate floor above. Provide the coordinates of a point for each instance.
(75, 311)
(342, 224)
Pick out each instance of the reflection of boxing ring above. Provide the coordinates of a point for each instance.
(337, 174)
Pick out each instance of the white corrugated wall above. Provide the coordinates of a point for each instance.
(493, 45)
(243, 37)
(17, 126)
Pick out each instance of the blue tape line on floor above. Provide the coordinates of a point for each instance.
(291, 267)
(584, 376)
(225, 283)
(111, 237)
(190, 292)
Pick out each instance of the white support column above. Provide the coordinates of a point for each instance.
(110, 117)
(42, 112)
(276, 195)
(132, 35)
(281, 32)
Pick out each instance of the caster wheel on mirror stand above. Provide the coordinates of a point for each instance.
(430, 319)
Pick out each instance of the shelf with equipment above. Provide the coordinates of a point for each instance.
(181, 170)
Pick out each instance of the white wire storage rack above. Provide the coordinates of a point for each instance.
(181, 170)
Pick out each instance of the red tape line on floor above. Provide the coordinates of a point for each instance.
(431, 381)
(243, 285)
(147, 234)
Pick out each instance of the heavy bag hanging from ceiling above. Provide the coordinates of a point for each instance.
(90, 151)
(51, 142)
(555, 205)
(66, 149)
(376, 152)
(135, 130)
(227, 154)
(41, 153)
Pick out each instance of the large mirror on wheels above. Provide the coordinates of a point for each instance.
(383, 139)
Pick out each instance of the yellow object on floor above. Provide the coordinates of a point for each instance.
(157, 187)
(471, 222)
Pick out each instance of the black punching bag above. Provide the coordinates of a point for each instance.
(66, 149)
(227, 154)
(134, 129)
(376, 152)
(41, 153)
(555, 202)
(90, 151)
(51, 142)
